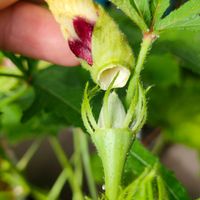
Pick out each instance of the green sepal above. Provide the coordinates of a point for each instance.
(111, 53)
(112, 146)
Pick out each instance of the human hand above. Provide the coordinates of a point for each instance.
(31, 30)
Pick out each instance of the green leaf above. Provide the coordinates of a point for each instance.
(143, 8)
(158, 8)
(15, 131)
(8, 83)
(127, 7)
(126, 25)
(190, 24)
(59, 90)
(186, 13)
(139, 159)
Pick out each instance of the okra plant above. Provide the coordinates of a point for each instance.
(104, 51)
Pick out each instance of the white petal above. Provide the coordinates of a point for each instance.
(107, 75)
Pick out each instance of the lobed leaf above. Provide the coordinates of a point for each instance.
(140, 159)
(185, 14)
(143, 8)
(192, 24)
(58, 90)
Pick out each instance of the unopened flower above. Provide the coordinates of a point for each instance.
(77, 19)
(95, 39)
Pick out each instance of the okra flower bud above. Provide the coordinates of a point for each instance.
(95, 39)
(114, 132)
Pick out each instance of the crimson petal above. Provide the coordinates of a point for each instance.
(81, 51)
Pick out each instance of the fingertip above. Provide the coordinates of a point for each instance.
(32, 31)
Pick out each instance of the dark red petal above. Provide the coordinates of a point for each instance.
(81, 51)
(84, 30)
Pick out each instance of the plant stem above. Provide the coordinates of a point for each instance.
(161, 142)
(77, 156)
(145, 47)
(112, 146)
(21, 165)
(61, 156)
(87, 166)
(12, 75)
(147, 42)
(58, 185)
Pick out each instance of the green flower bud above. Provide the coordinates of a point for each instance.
(111, 53)
(114, 132)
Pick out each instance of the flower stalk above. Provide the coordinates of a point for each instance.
(112, 146)
(147, 42)
(114, 133)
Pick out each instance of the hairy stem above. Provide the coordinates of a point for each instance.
(147, 42)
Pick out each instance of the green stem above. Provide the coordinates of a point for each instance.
(77, 156)
(58, 185)
(87, 166)
(37, 194)
(21, 165)
(61, 156)
(112, 145)
(148, 39)
(159, 145)
(12, 75)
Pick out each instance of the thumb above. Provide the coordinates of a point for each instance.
(6, 3)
